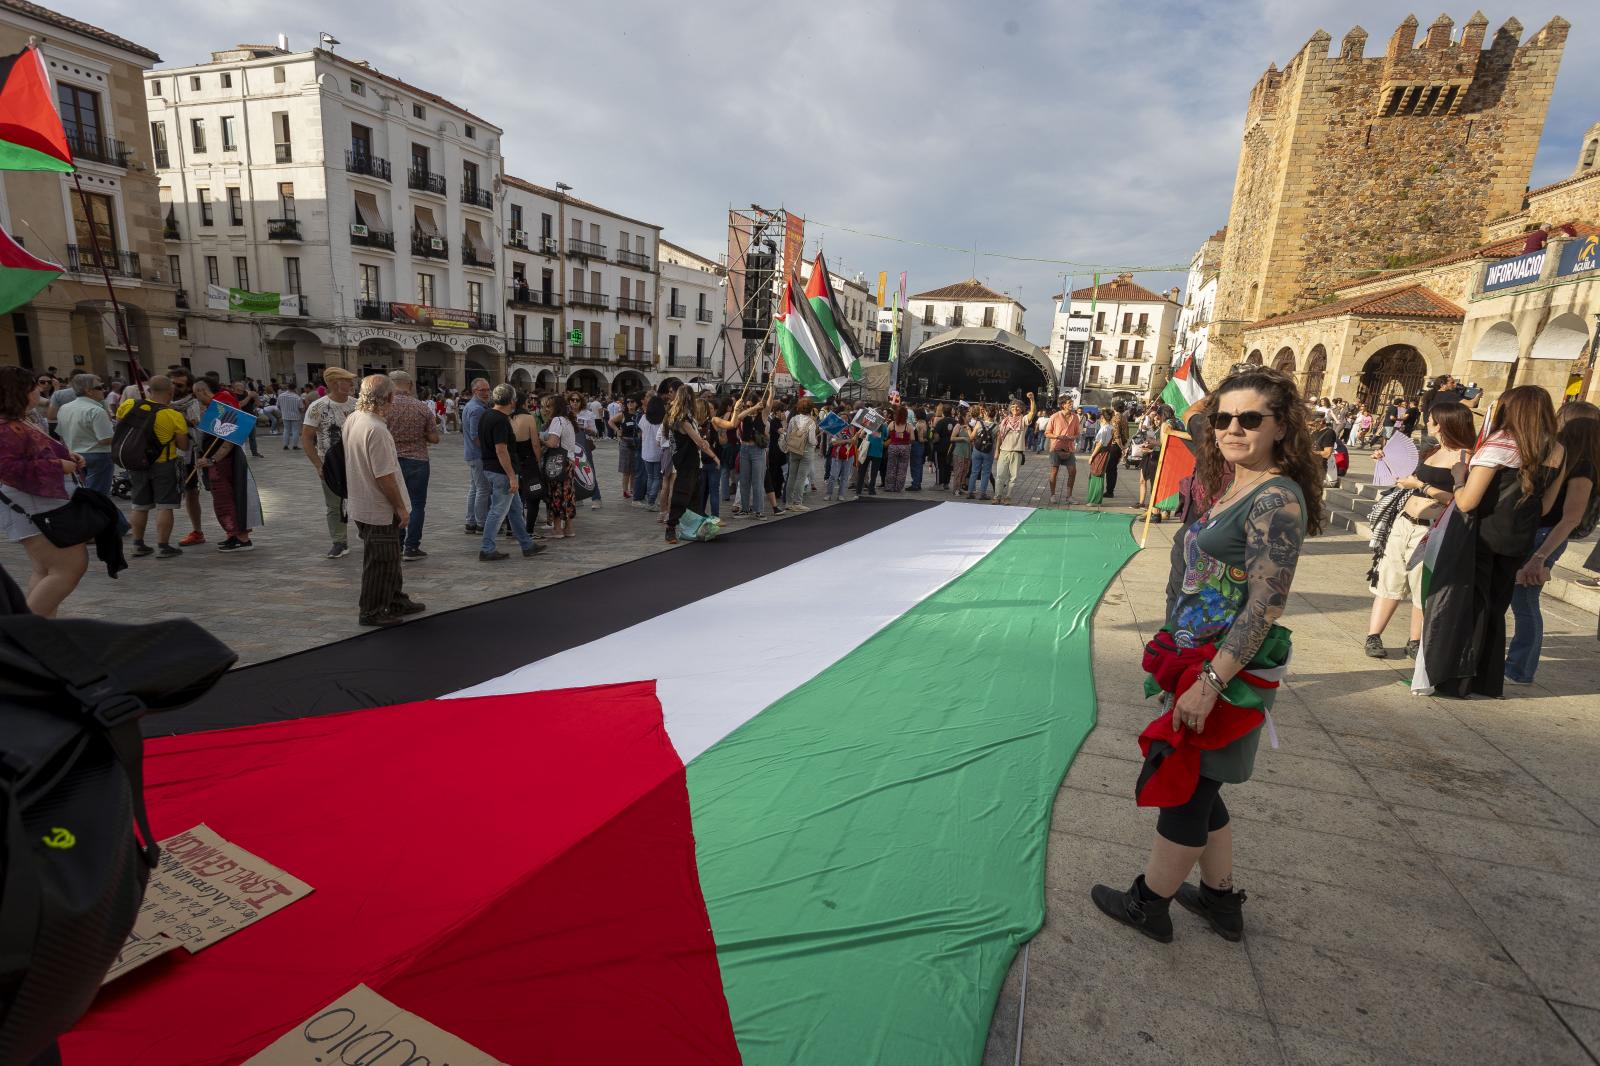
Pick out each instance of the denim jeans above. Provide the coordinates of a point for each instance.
(647, 481)
(97, 471)
(503, 503)
(710, 497)
(839, 476)
(1522, 655)
(414, 472)
(982, 467)
(730, 479)
(477, 494)
(794, 489)
(752, 478)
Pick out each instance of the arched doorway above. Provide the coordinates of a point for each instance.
(630, 383)
(587, 381)
(1316, 370)
(545, 382)
(1254, 357)
(520, 378)
(292, 354)
(1391, 373)
(436, 367)
(484, 362)
(1284, 361)
(1564, 337)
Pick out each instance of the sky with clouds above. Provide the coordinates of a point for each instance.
(1099, 131)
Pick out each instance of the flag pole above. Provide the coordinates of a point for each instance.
(1155, 483)
(135, 371)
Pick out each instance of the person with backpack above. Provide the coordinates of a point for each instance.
(324, 424)
(149, 437)
(983, 442)
(800, 438)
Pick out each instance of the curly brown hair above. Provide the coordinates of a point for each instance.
(15, 384)
(1293, 455)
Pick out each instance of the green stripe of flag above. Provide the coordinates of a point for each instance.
(872, 846)
(20, 157)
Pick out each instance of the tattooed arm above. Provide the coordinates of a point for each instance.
(1273, 533)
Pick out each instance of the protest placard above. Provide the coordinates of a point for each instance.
(868, 418)
(205, 888)
(226, 423)
(833, 424)
(362, 1026)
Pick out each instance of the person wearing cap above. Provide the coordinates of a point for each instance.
(324, 418)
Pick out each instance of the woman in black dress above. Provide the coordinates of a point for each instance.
(688, 446)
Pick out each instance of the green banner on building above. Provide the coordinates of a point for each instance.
(254, 303)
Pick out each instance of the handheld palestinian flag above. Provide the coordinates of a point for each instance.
(1183, 387)
(807, 351)
(1177, 463)
(31, 136)
(819, 290)
(679, 831)
(22, 274)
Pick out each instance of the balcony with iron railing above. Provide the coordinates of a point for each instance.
(425, 181)
(537, 347)
(100, 149)
(592, 353)
(637, 307)
(473, 257)
(169, 230)
(528, 296)
(475, 197)
(283, 152)
(357, 162)
(580, 298)
(702, 314)
(633, 259)
(163, 159)
(676, 310)
(686, 362)
(486, 320)
(283, 229)
(364, 237)
(118, 263)
(585, 249)
(518, 239)
(373, 310)
(635, 357)
(429, 246)
(182, 298)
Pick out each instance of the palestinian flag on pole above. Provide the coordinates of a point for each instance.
(819, 291)
(807, 351)
(22, 275)
(1183, 387)
(31, 136)
(682, 831)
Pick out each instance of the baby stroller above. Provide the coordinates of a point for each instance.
(121, 484)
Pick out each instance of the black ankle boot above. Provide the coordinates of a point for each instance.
(1150, 917)
(1223, 910)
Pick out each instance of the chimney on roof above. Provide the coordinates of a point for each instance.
(283, 42)
(1172, 294)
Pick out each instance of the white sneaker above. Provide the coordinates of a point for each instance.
(594, 506)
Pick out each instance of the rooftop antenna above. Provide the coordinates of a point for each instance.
(329, 40)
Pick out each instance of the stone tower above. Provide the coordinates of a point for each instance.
(1351, 163)
(1588, 151)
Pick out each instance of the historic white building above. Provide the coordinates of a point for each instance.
(967, 303)
(367, 205)
(1131, 331)
(691, 308)
(581, 296)
(1199, 297)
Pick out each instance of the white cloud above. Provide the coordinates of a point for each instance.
(1090, 130)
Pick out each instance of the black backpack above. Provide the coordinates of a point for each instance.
(984, 441)
(134, 445)
(333, 465)
(72, 871)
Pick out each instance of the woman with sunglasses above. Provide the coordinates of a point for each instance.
(1239, 562)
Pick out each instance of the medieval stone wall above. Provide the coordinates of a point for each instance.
(1573, 200)
(1352, 163)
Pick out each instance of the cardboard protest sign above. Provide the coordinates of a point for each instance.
(362, 1026)
(226, 423)
(869, 419)
(204, 889)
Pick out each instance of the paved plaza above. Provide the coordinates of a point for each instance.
(1419, 871)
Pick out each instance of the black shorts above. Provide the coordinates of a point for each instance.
(1058, 459)
(157, 489)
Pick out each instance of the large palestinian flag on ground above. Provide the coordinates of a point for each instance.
(781, 798)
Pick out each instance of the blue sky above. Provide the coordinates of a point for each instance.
(1090, 130)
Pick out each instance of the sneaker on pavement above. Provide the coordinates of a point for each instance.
(1412, 648)
(595, 506)
(387, 618)
(191, 539)
(411, 555)
(471, 530)
(491, 557)
(531, 550)
(407, 606)
(141, 549)
(339, 550)
(167, 551)
(1375, 647)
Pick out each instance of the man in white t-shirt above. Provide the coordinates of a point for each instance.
(290, 411)
(325, 415)
(613, 409)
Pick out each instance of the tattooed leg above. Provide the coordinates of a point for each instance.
(1216, 862)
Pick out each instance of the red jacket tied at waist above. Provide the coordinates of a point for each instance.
(1172, 754)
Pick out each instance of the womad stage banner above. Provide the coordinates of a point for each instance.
(606, 842)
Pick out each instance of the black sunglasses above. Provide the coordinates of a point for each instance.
(1247, 419)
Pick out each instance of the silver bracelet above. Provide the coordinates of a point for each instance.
(1209, 673)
